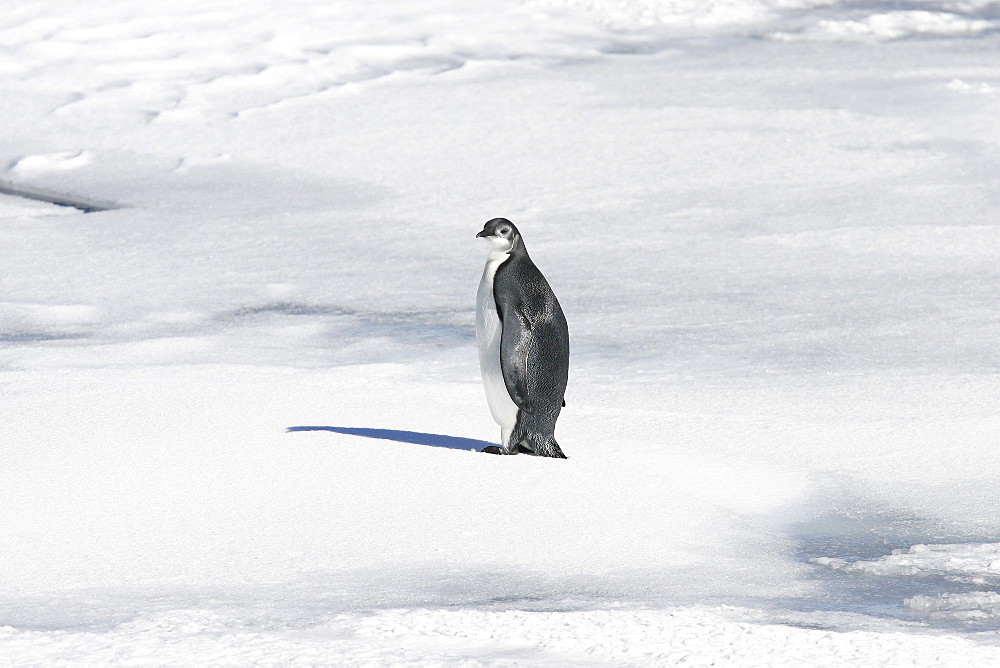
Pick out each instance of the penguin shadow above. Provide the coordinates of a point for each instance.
(414, 437)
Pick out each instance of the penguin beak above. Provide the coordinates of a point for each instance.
(483, 234)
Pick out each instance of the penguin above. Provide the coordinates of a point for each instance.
(523, 346)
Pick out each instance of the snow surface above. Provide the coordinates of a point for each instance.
(240, 411)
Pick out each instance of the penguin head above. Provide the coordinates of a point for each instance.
(501, 234)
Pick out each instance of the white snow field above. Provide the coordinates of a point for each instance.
(241, 407)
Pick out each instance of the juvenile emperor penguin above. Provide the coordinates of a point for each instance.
(523, 346)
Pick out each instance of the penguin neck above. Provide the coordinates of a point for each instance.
(497, 256)
(501, 255)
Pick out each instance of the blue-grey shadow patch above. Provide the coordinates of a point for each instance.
(414, 437)
(37, 337)
(868, 535)
(84, 204)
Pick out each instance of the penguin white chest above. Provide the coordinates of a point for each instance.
(489, 331)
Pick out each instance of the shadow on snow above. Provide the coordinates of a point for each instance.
(415, 437)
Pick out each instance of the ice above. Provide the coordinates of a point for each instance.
(240, 405)
(975, 563)
(893, 25)
(975, 606)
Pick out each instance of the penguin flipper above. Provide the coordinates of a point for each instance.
(514, 343)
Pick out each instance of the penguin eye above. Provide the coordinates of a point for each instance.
(504, 231)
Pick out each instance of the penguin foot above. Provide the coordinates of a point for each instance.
(497, 450)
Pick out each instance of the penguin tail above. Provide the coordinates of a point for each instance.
(553, 450)
(539, 443)
(545, 447)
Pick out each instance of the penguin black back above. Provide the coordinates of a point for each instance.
(534, 348)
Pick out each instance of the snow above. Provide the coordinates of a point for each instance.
(665, 637)
(241, 409)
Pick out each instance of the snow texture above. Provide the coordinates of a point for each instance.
(241, 397)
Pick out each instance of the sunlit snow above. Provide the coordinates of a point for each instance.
(242, 406)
